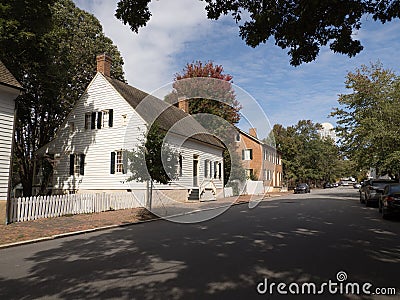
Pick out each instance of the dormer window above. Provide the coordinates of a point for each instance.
(237, 137)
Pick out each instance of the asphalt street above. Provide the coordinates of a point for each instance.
(326, 238)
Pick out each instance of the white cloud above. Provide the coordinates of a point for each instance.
(148, 55)
(179, 32)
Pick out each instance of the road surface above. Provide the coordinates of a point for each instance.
(321, 238)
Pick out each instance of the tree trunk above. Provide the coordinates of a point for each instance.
(149, 194)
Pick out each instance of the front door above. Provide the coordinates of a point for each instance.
(195, 170)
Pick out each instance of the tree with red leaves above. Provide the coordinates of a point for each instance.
(210, 93)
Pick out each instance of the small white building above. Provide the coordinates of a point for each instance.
(328, 131)
(9, 91)
(88, 153)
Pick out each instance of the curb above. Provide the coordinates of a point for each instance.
(73, 233)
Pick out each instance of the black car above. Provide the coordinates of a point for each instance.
(371, 190)
(328, 185)
(301, 188)
(389, 202)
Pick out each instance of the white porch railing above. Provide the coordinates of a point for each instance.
(31, 208)
(207, 184)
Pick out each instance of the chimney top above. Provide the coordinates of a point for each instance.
(183, 104)
(253, 132)
(104, 64)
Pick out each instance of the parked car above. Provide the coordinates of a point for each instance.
(389, 202)
(301, 188)
(328, 185)
(357, 185)
(371, 190)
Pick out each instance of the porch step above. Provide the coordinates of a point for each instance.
(208, 195)
(194, 195)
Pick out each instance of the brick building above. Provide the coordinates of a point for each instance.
(261, 161)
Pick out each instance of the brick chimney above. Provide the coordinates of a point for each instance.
(104, 64)
(183, 104)
(253, 132)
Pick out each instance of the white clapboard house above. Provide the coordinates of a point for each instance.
(89, 150)
(9, 91)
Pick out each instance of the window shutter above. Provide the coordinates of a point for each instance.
(99, 115)
(206, 168)
(125, 162)
(243, 154)
(180, 165)
(110, 117)
(112, 166)
(251, 154)
(82, 164)
(71, 164)
(93, 121)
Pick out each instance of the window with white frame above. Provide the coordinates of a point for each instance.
(105, 118)
(99, 119)
(247, 154)
(88, 120)
(268, 175)
(206, 165)
(118, 162)
(77, 164)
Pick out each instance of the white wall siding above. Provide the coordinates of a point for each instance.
(188, 149)
(6, 130)
(96, 144)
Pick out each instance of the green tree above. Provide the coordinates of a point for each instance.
(153, 161)
(368, 122)
(301, 26)
(50, 46)
(306, 156)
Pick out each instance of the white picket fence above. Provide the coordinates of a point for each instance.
(31, 208)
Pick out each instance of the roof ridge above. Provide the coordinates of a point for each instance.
(165, 113)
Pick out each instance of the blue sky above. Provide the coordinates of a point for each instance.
(179, 32)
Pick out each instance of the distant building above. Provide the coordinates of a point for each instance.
(259, 160)
(327, 131)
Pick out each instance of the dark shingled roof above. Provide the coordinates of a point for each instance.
(6, 78)
(166, 115)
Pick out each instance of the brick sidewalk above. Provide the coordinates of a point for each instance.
(42, 228)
